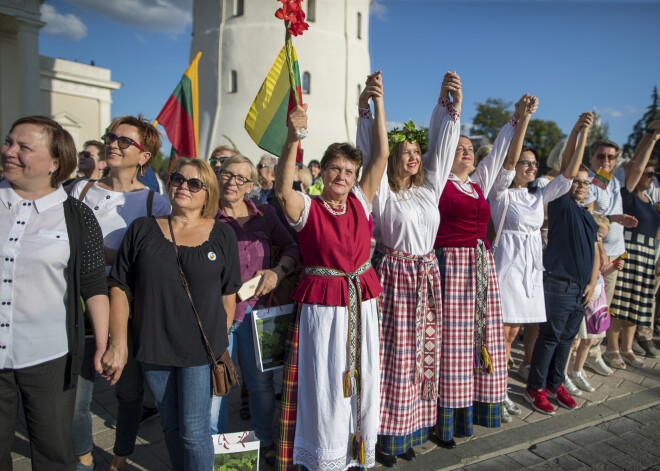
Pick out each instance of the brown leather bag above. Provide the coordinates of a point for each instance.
(223, 371)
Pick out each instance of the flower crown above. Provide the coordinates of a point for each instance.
(409, 133)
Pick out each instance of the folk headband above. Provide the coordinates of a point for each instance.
(409, 133)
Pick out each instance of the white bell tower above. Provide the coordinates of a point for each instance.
(240, 40)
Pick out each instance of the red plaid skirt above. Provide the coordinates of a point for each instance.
(402, 409)
(460, 385)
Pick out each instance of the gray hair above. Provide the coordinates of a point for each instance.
(241, 159)
(269, 161)
(554, 159)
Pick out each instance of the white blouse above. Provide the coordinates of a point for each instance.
(34, 252)
(116, 210)
(408, 220)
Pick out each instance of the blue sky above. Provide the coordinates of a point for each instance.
(574, 55)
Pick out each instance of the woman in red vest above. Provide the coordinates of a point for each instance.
(331, 378)
(473, 372)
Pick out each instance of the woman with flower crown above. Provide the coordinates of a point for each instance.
(406, 220)
(330, 394)
(473, 372)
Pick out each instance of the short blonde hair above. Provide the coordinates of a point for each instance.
(241, 159)
(206, 175)
(556, 154)
(305, 177)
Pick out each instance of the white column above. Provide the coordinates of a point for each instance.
(30, 77)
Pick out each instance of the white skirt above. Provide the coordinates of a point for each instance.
(325, 419)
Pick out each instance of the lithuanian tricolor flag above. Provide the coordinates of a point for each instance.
(602, 179)
(266, 122)
(180, 115)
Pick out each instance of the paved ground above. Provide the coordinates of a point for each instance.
(616, 427)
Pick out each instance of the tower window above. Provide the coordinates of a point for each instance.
(311, 10)
(239, 7)
(306, 83)
(359, 25)
(233, 82)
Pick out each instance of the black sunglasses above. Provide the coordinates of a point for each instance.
(649, 174)
(194, 184)
(122, 141)
(215, 160)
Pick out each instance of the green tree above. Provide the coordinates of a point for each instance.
(158, 163)
(598, 130)
(542, 135)
(652, 114)
(490, 117)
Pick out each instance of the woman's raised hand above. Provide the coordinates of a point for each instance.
(297, 122)
(451, 85)
(373, 88)
(526, 106)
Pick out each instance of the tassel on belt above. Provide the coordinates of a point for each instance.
(426, 318)
(352, 381)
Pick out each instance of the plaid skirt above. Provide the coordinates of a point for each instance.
(460, 421)
(404, 344)
(460, 385)
(635, 284)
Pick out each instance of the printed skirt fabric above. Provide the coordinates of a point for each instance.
(634, 292)
(409, 349)
(460, 385)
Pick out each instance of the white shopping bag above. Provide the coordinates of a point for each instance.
(236, 452)
(269, 330)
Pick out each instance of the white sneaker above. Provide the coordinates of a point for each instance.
(505, 416)
(598, 365)
(511, 406)
(571, 388)
(581, 382)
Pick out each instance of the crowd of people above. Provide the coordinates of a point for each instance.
(386, 350)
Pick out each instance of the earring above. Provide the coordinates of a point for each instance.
(50, 172)
(141, 172)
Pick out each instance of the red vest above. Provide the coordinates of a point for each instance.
(463, 218)
(339, 242)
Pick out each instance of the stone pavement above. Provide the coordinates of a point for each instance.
(615, 427)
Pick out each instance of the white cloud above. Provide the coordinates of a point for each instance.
(393, 124)
(63, 26)
(163, 16)
(379, 10)
(613, 112)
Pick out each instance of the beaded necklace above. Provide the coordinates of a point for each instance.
(341, 212)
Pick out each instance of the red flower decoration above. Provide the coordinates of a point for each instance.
(293, 13)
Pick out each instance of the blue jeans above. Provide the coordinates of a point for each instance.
(130, 393)
(83, 442)
(260, 385)
(564, 312)
(183, 398)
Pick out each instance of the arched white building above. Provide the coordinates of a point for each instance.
(240, 41)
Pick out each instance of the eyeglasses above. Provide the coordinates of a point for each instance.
(649, 174)
(605, 156)
(529, 163)
(226, 176)
(122, 141)
(215, 160)
(579, 183)
(84, 154)
(194, 184)
(260, 166)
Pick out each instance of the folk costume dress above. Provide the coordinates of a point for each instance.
(519, 255)
(634, 291)
(329, 415)
(473, 371)
(406, 223)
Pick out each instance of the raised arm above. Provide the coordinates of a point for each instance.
(291, 201)
(444, 131)
(639, 161)
(525, 108)
(373, 172)
(364, 138)
(571, 143)
(570, 168)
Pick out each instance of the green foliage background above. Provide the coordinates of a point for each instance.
(245, 461)
(272, 338)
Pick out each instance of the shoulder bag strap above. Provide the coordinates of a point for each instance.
(85, 189)
(184, 282)
(496, 242)
(150, 204)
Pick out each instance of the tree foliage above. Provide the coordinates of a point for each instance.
(246, 461)
(652, 114)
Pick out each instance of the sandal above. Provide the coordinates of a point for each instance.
(632, 360)
(613, 358)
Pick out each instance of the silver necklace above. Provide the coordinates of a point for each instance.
(341, 212)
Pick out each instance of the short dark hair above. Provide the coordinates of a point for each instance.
(314, 162)
(605, 143)
(344, 150)
(60, 146)
(149, 135)
(99, 145)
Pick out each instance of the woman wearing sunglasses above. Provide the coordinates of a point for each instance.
(518, 253)
(116, 200)
(168, 341)
(257, 229)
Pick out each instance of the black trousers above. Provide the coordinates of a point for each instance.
(48, 410)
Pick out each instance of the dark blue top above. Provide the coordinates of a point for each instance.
(572, 234)
(646, 214)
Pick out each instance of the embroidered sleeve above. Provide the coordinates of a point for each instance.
(449, 106)
(513, 121)
(365, 113)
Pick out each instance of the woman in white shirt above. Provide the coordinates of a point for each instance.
(51, 258)
(406, 219)
(117, 200)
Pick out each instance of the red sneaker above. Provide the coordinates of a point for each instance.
(539, 402)
(563, 398)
